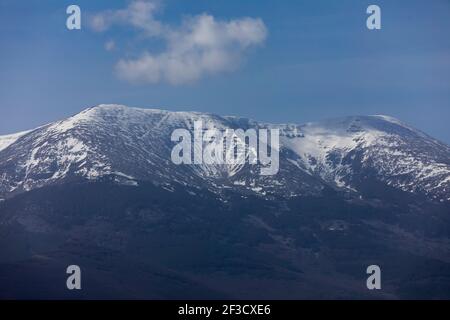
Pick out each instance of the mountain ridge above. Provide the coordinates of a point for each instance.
(134, 144)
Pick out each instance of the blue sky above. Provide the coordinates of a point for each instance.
(313, 60)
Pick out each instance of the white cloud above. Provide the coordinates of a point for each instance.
(139, 14)
(201, 46)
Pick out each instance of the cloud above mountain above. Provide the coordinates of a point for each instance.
(200, 46)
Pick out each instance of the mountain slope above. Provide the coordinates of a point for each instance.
(131, 145)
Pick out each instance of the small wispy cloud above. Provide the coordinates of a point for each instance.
(202, 45)
(139, 14)
(110, 45)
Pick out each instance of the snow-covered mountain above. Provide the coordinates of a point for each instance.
(130, 145)
(99, 190)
